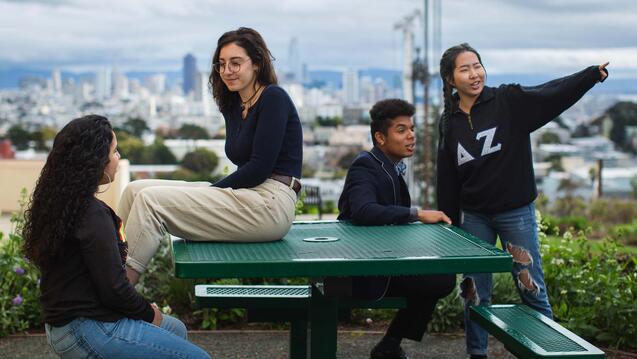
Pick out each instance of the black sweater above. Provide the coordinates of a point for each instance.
(484, 158)
(89, 278)
(269, 140)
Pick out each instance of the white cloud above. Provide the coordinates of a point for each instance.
(155, 34)
(547, 61)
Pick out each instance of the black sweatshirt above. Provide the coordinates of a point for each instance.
(269, 140)
(485, 163)
(89, 278)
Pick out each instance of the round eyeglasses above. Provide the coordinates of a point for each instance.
(234, 65)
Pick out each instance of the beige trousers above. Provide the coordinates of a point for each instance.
(195, 211)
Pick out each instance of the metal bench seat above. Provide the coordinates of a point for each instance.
(529, 334)
(252, 296)
(279, 303)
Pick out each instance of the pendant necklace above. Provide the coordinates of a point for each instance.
(244, 103)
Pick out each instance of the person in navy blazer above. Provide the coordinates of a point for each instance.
(375, 194)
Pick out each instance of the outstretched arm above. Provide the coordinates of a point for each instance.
(534, 106)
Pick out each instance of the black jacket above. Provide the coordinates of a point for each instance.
(89, 277)
(485, 163)
(373, 195)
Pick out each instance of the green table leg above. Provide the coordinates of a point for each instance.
(298, 339)
(323, 325)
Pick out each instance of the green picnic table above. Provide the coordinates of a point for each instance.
(331, 248)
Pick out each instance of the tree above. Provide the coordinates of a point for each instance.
(131, 148)
(200, 160)
(556, 162)
(307, 171)
(622, 114)
(159, 154)
(549, 137)
(19, 137)
(346, 160)
(135, 126)
(41, 137)
(581, 130)
(191, 131)
(329, 121)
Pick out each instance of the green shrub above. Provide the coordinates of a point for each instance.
(594, 295)
(549, 225)
(572, 223)
(19, 283)
(569, 206)
(612, 211)
(626, 233)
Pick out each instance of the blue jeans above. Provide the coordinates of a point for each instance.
(125, 338)
(517, 230)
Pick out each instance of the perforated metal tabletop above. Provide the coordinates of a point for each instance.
(357, 250)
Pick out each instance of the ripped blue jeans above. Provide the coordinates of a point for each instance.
(517, 230)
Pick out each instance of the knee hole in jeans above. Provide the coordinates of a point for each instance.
(520, 254)
(469, 292)
(526, 282)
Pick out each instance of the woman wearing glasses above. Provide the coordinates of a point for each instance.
(263, 138)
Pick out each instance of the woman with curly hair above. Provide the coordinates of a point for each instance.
(256, 203)
(89, 307)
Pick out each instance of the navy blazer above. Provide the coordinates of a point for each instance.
(373, 195)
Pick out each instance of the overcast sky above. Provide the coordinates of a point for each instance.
(513, 36)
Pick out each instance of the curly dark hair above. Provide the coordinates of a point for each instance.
(254, 45)
(67, 183)
(383, 112)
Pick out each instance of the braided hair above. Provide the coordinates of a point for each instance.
(447, 66)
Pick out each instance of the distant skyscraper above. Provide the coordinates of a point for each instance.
(294, 58)
(201, 87)
(367, 90)
(120, 86)
(189, 74)
(351, 90)
(156, 84)
(103, 84)
(56, 79)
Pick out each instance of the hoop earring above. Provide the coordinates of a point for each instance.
(110, 180)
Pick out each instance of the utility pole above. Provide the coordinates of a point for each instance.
(422, 74)
(417, 70)
(406, 25)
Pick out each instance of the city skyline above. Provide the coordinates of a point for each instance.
(513, 36)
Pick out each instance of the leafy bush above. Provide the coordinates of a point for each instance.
(570, 206)
(612, 211)
(19, 283)
(627, 233)
(594, 295)
(572, 223)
